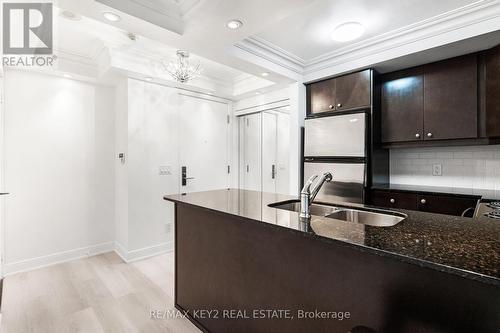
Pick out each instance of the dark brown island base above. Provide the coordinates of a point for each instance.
(236, 259)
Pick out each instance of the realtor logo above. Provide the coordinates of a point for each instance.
(27, 28)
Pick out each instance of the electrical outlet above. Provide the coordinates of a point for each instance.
(165, 170)
(437, 170)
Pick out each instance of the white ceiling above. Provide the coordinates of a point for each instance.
(290, 39)
(307, 34)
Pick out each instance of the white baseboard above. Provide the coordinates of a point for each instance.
(121, 251)
(64, 256)
(146, 252)
(56, 258)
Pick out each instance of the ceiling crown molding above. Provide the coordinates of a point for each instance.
(463, 17)
(270, 52)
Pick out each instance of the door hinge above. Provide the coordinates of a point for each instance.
(228, 169)
(228, 119)
(248, 122)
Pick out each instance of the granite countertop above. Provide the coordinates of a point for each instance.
(462, 246)
(435, 190)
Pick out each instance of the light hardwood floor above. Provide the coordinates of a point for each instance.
(96, 294)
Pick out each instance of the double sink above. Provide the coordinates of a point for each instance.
(376, 218)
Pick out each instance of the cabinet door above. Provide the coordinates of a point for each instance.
(445, 204)
(403, 106)
(450, 104)
(491, 89)
(390, 199)
(322, 96)
(353, 91)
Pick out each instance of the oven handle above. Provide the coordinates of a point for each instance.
(467, 210)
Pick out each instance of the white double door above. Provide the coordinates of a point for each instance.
(203, 144)
(264, 152)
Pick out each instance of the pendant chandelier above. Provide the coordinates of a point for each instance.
(181, 70)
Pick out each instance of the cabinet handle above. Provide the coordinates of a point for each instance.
(392, 201)
(429, 135)
(417, 136)
(330, 106)
(423, 201)
(339, 105)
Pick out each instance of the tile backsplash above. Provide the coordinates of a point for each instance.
(472, 167)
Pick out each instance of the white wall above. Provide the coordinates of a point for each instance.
(152, 142)
(121, 171)
(473, 168)
(71, 194)
(59, 169)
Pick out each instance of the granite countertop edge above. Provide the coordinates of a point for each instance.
(476, 276)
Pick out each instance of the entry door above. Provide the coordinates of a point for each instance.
(250, 152)
(203, 144)
(269, 151)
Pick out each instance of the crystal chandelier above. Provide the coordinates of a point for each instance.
(181, 70)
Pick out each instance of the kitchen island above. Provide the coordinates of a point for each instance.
(239, 258)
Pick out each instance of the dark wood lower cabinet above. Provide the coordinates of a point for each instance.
(442, 204)
(394, 200)
(430, 203)
(224, 262)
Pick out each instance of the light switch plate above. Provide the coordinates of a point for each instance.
(165, 170)
(437, 169)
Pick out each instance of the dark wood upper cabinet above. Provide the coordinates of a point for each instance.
(322, 96)
(491, 92)
(438, 101)
(402, 108)
(338, 94)
(450, 99)
(353, 91)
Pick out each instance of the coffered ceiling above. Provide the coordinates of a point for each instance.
(168, 14)
(85, 42)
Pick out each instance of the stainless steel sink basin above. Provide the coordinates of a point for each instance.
(376, 218)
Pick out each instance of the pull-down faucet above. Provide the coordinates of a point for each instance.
(307, 195)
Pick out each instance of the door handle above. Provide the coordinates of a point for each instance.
(184, 176)
(273, 171)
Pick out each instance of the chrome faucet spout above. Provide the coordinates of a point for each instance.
(307, 195)
(327, 177)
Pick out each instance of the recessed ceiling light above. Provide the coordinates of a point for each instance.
(111, 16)
(234, 24)
(149, 79)
(265, 74)
(348, 31)
(67, 14)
